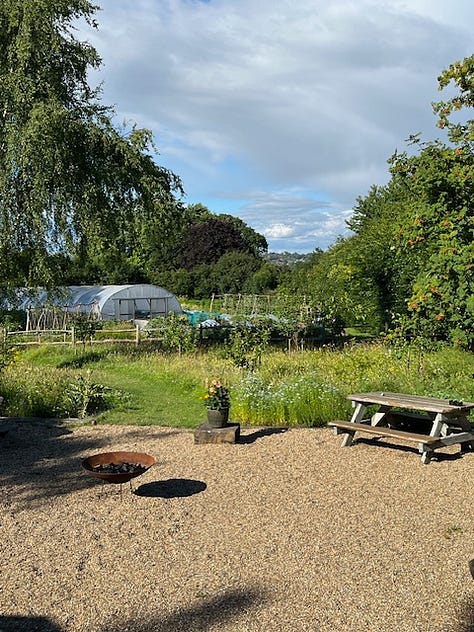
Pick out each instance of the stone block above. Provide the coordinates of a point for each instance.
(208, 434)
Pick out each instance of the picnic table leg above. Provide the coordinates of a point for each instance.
(465, 424)
(348, 439)
(357, 415)
(426, 456)
(438, 425)
(379, 416)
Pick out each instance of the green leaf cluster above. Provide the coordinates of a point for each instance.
(408, 265)
(71, 181)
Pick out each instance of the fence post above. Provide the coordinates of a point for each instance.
(73, 337)
(137, 335)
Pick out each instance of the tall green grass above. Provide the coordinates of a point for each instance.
(306, 388)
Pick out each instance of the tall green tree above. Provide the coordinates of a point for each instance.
(233, 270)
(439, 225)
(207, 240)
(382, 274)
(70, 179)
(255, 242)
(410, 260)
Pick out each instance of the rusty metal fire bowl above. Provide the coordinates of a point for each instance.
(140, 460)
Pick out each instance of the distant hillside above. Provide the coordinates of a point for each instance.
(286, 258)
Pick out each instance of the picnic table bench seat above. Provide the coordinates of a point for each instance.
(345, 427)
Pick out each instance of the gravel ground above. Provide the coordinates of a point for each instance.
(285, 531)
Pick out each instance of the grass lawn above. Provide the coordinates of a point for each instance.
(165, 397)
(150, 388)
(300, 388)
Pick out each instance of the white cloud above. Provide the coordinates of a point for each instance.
(277, 95)
(292, 220)
(277, 231)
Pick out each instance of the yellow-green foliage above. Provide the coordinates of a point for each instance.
(33, 391)
(299, 388)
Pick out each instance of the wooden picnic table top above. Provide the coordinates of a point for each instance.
(413, 402)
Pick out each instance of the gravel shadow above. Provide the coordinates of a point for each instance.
(42, 458)
(27, 624)
(382, 444)
(465, 617)
(199, 618)
(260, 433)
(171, 488)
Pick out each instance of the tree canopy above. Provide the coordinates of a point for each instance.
(207, 240)
(83, 200)
(410, 259)
(69, 177)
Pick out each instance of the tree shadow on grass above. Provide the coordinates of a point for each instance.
(42, 459)
(196, 618)
(78, 362)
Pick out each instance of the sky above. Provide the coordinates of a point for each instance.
(280, 112)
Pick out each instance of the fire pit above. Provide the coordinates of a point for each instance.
(118, 467)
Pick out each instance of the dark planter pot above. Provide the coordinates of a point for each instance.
(217, 418)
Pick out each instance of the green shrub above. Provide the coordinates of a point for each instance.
(85, 327)
(301, 400)
(35, 392)
(87, 397)
(7, 351)
(174, 331)
(247, 343)
(54, 393)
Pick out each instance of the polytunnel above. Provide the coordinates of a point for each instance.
(107, 302)
(123, 302)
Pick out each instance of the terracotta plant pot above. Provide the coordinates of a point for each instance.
(217, 418)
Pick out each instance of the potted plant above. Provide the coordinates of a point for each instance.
(217, 402)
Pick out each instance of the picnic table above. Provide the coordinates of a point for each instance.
(427, 421)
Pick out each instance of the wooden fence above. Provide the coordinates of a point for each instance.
(69, 337)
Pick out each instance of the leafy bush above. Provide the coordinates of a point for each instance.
(174, 331)
(12, 319)
(86, 396)
(7, 351)
(303, 400)
(31, 391)
(247, 343)
(85, 327)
